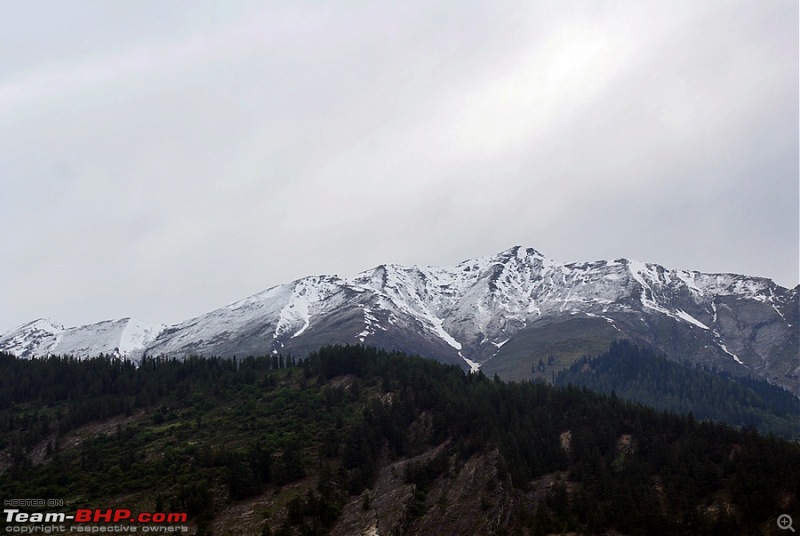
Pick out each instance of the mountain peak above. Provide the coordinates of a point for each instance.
(44, 324)
(519, 252)
(465, 314)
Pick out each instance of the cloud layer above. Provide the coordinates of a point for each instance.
(160, 160)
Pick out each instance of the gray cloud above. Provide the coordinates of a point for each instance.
(162, 160)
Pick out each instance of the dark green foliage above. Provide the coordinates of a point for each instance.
(206, 432)
(643, 376)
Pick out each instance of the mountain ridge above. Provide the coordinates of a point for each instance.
(469, 313)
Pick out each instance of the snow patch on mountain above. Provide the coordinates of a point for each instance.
(734, 356)
(371, 323)
(295, 316)
(473, 366)
(683, 315)
(639, 271)
(137, 334)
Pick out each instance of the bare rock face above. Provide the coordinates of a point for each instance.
(468, 499)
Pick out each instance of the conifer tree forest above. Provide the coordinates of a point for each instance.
(642, 375)
(306, 439)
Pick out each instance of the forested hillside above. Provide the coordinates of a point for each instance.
(354, 439)
(644, 376)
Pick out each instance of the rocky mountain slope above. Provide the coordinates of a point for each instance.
(508, 313)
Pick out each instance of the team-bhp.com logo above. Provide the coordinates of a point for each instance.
(90, 520)
(86, 515)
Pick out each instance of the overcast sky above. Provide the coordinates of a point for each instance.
(162, 159)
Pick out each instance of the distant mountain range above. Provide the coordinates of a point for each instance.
(517, 314)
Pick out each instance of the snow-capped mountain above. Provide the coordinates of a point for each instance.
(503, 313)
(122, 338)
